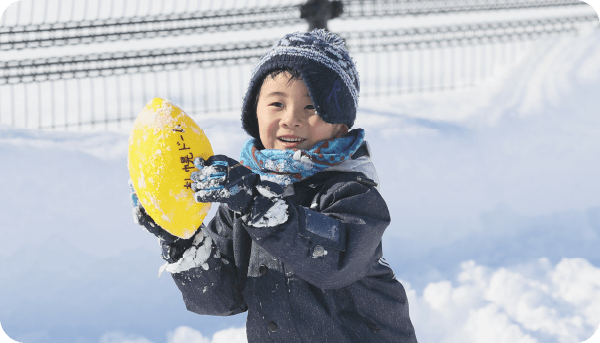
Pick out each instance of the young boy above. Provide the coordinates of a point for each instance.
(296, 241)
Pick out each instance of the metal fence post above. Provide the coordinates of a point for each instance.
(318, 12)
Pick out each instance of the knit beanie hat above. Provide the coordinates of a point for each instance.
(324, 65)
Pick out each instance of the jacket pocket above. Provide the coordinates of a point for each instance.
(321, 229)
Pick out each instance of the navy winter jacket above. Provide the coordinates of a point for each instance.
(319, 277)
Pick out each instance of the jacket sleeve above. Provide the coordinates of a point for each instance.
(214, 288)
(332, 243)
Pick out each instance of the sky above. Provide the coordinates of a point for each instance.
(493, 191)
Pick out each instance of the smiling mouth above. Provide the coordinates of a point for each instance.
(290, 139)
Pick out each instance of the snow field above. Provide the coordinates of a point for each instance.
(558, 303)
(493, 192)
(182, 334)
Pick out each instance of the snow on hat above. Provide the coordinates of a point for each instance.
(324, 65)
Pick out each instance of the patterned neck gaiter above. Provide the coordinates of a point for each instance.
(288, 166)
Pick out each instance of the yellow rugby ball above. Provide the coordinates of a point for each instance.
(162, 146)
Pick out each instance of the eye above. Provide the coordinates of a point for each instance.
(276, 104)
(310, 107)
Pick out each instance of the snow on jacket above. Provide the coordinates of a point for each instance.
(318, 277)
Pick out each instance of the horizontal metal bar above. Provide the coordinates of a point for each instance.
(81, 66)
(63, 33)
(378, 8)
(463, 34)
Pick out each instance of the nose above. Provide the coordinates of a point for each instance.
(291, 118)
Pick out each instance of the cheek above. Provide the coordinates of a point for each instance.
(267, 128)
(321, 130)
(272, 127)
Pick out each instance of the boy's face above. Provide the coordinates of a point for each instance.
(287, 118)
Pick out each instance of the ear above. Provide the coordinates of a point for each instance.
(341, 130)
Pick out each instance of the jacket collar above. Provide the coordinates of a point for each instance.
(360, 162)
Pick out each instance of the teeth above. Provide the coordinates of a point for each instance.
(290, 139)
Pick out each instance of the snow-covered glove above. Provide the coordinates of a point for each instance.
(225, 180)
(172, 246)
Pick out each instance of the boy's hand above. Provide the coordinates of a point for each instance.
(223, 179)
(173, 247)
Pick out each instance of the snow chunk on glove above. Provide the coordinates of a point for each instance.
(195, 256)
(277, 213)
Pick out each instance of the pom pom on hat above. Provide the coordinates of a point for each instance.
(329, 37)
(321, 59)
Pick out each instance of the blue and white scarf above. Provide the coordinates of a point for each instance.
(288, 166)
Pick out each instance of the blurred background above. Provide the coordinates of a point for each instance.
(482, 116)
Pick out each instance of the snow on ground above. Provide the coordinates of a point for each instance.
(531, 302)
(182, 334)
(494, 193)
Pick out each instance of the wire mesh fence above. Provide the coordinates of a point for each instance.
(107, 90)
(43, 12)
(29, 13)
(34, 33)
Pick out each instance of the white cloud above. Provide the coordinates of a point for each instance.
(530, 302)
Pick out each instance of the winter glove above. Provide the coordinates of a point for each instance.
(172, 246)
(225, 180)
